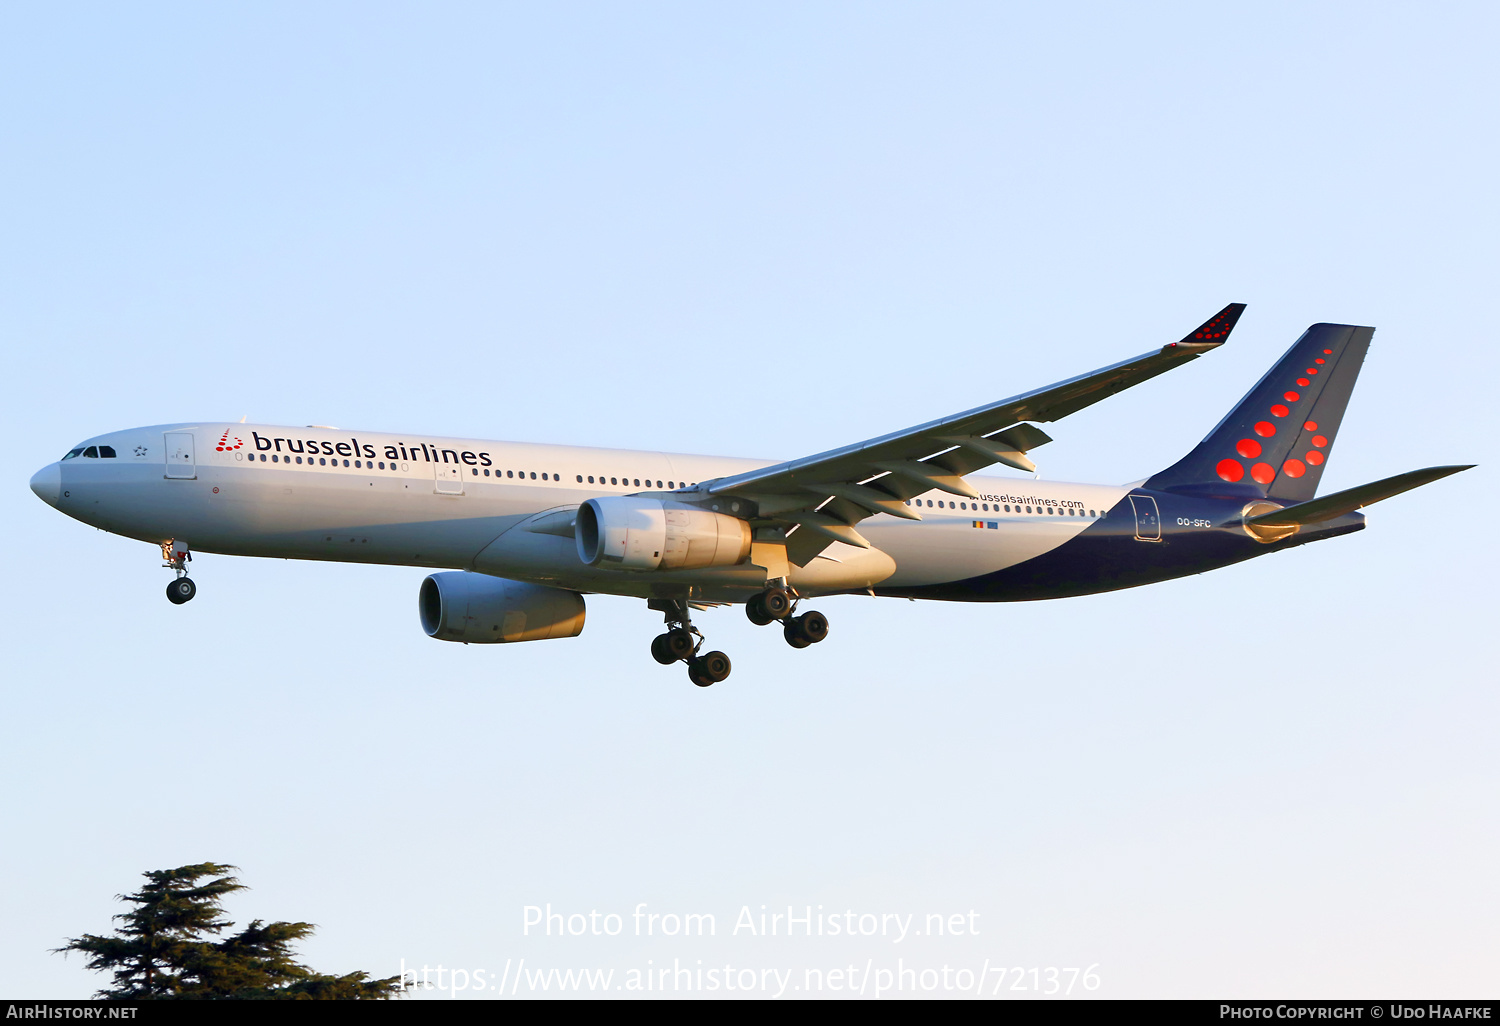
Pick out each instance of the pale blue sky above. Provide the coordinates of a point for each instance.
(760, 231)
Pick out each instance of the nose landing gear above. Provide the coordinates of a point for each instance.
(777, 603)
(181, 590)
(681, 643)
(176, 557)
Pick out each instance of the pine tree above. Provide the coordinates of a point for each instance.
(162, 948)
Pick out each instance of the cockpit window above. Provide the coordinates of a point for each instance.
(73, 453)
(106, 452)
(92, 452)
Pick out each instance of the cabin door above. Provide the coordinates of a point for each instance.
(1147, 518)
(179, 455)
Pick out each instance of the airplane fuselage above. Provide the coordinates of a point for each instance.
(502, 509)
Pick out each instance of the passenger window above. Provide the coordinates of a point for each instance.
(473, 471)
(940, 504)
(91, 453)
(299, 459)
(346, 463)
(1007, 507)
(580, 479)
(106, 452)
(274, 457)
(322, 462)
(613, 481)
(671, 485)
(533, 475)
(637, 482)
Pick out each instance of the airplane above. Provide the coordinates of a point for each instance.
(523, 531)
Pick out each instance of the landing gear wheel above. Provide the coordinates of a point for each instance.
(716, 664)
(181, 590)
(776, 602)
(660, 652)
(679, 642)
(708, 669)
(755, 609)
(813, 625)
(808, 629)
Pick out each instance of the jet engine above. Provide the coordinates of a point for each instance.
(631, 533)
(482, 610)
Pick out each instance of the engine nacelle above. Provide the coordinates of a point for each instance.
(481, 610)
(623, 532)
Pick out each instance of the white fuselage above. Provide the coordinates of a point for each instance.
(370, 497)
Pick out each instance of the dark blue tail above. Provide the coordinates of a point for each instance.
(1276, 442)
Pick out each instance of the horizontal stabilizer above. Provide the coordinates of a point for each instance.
(1337, 504)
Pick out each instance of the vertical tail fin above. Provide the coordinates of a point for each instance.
(1276, 442)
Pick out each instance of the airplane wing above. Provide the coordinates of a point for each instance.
(817, 500)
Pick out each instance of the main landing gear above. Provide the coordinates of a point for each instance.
(777, 603)
(682, 642)
(176, 556)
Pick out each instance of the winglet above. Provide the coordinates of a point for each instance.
(1216, 329)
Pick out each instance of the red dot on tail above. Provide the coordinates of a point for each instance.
(1291, 397)
(1279, 411)
(1263, 473)
(1328, 351)
(1311, 425)
(1265, 429)
(1303, 382)
(1319, 441)
(1293, 468)
(1319, 360)
(1248, 448)
(1315, 457)
(1230, 470)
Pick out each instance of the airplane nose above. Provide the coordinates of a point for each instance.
(47, 483)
